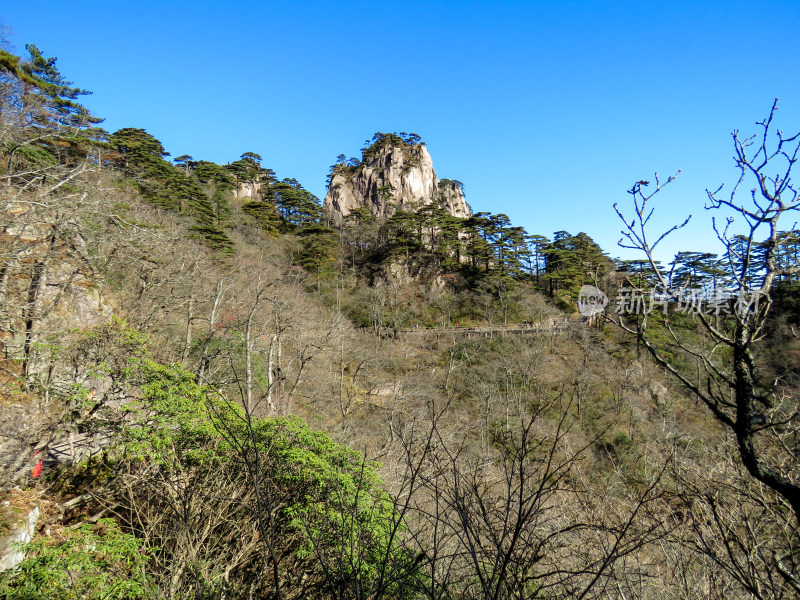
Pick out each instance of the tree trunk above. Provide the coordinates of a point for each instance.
(188, 341)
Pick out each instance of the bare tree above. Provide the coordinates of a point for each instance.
(522, 521)
(760, 412)
(733, 529)
(195, 518)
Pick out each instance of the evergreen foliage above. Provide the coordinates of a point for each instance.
(210, 173)
(571, 261)
(93, 561)
(142, 157)
(334, 514)
(45, 124)
(53, 103)
(266, 215)
(540, 462)
(379, 140)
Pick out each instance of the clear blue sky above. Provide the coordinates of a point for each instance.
(547, 111)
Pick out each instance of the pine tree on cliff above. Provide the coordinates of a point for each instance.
(48, 124)
(51, 99)
(141, 156)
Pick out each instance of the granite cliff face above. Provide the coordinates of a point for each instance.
(247, 189)
(392, 175)
(49, 292)
(47, 284)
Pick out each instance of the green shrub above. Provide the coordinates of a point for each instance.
(94, 561)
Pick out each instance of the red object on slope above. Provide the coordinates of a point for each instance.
(37, 470)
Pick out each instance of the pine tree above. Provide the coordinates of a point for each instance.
(537, 244)
(141, 156)
(212, 174)
(478, 231)
(46, 123)
(449, 246)
(51, 99)
(571, 261)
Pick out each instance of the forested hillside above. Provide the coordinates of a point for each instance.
(213, 388)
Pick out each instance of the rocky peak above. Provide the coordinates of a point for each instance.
(395, 173)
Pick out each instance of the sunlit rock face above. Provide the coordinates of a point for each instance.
(49, 285)
(392, 177)
(247, 189)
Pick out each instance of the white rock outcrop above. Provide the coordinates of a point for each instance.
(392, 177)
(20, 533)
(247, 189)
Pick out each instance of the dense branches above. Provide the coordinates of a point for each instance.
(759, 411)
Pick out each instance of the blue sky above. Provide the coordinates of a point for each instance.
(547, 111)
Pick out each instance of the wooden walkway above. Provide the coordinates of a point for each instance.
(76, 447)
(486, 331)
